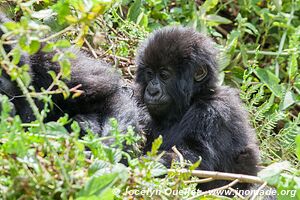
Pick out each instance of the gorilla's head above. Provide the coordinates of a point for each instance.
(174, 65)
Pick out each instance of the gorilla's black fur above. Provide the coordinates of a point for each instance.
(177, 78)
(104, 92)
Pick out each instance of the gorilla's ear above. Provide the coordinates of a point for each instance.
(200, 73)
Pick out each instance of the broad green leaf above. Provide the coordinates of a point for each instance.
(23, 43)
(288, 100)
(270, 79)
(98, 185)
(34, 46)
(11, 26)
(16, 56)
(63, 43)
(157, 169)
(48, 47)
(55, 128)
(65, 68)
(97, 165)
(134, 11)
(271, 174)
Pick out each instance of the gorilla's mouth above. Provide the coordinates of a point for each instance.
(157, 107)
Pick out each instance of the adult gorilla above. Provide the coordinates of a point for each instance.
(177, 78)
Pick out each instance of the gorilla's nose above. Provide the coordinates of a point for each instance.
(153, 91)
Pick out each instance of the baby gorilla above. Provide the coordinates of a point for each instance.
(177, 80)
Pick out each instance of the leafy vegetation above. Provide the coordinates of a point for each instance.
(259, 43)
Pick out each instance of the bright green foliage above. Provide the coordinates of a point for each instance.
(259, 44)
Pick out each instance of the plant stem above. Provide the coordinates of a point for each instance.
(282, 41)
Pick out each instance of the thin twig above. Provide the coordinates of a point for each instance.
(220, 175)
(257, 191)
(129, 70)
(282, 40)
(91, 48)
(204, 180)
(216, 189)
(181, 159)
(44, 39)
(266, 53)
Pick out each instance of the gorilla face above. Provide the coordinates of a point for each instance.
(156, 96)
(174, 64)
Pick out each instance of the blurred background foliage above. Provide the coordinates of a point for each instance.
(259, 53)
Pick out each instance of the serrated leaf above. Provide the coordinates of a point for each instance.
(155, 146)
(157, 169)
(97, 165)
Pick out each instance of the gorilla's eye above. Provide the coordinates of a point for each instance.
(164, 74)
(149, 74)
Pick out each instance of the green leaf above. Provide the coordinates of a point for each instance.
(65, 68)
(289, 99)
(216, 20)
(298, 146)
(252, 28)
(270, 79)
(63, 43)
(157, 169)
(34, 46)
(134, 11)
(16, 56)
(208, 5)
(271, 174)
(49, 47)
(155, 146)
(11, 26)
(97, 185)
(23, 43)
(55, 128)
(97, 165)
